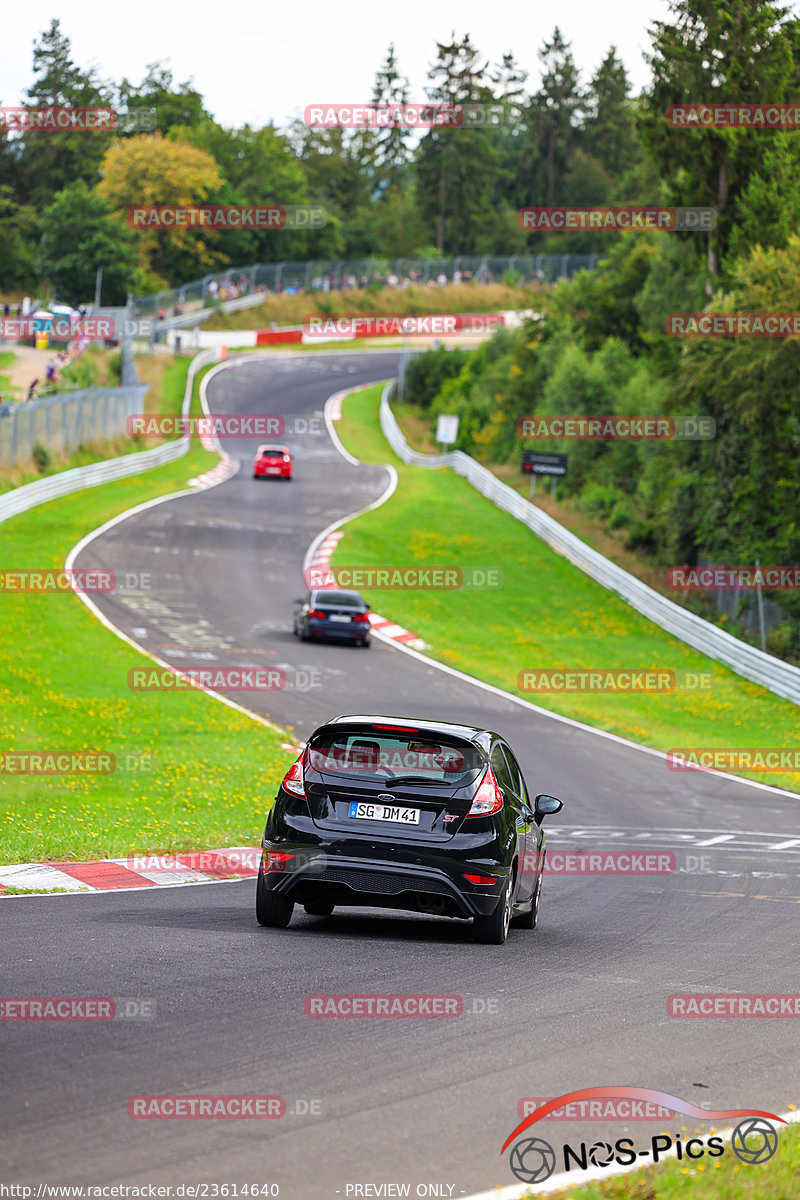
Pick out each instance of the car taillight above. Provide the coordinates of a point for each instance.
(484, 880)
(293, 779)
(488, 798)
(286, 458)
(361, 616)
(276, 860)
(317, 614)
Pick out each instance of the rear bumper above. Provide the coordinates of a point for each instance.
(339, 633)
(348, 880)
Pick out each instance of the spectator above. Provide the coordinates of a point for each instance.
(51, 371)
(32, 391)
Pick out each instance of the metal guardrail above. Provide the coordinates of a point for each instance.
(772, 673)
(32, 494)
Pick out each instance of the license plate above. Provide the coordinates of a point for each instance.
(384, 812)
(338, 617)
(273, 470)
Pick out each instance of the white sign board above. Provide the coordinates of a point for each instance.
(446, 428)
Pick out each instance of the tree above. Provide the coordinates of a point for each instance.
(48, 161)
(142, 171)
(391, 143)
(174, 104)
(609, 131)
(79, 234)
(18, 232)
(552, 123)
(716, 52)
(455, 166)
(510, 101)
(757, 219)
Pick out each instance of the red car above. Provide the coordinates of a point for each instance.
(272, 460)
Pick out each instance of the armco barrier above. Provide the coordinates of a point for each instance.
(32, 494)
(779, 677)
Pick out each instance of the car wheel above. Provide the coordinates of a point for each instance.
(366, 642)
(528, 920)
(319, 908)
(493, 929)
(272, 910)
(303, 634)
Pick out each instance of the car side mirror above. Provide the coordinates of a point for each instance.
(547, 804)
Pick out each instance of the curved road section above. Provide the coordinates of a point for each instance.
(580, 1002)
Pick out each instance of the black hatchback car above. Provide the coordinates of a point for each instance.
(392, 812)
(335, 613)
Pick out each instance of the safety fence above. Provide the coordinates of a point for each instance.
(239, 283)
(32, 494)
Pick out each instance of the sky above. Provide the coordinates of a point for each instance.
(262, 62)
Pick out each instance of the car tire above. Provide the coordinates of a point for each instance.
(366, 642)
(319, 908)
(493, 930)
(272, 910)
(528, 920)
(303, 634)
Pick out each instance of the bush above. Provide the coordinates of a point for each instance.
(42, 457)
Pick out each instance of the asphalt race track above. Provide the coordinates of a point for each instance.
(579, 1002)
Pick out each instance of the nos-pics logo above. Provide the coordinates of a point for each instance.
(533, 1160)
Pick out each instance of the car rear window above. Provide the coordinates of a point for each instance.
(343, 599)
(272, 452)
(376, 754)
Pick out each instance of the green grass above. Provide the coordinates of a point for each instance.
(6, 360)
(63, 686)
(723, 1178)
(547, 614)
